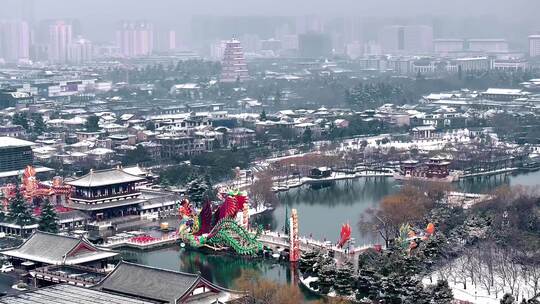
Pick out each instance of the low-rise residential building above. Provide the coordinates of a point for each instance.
(12, 131)
(180, 146)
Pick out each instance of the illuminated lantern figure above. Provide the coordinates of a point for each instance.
(294, 254)
(345, 235)
(430, 230)
(245, 216)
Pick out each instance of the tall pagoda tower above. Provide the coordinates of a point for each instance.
(233, 65)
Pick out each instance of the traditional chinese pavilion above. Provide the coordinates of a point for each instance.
(436, 168)
(43, 248)
(105, 194)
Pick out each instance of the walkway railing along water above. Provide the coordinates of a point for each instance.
(306, 243)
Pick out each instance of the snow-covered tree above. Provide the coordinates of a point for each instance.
(48, 221)
(198, 190)
(327, 277)
(345, 279)
(19, 211)
(307, 261)
(441, 293)
(508, 299)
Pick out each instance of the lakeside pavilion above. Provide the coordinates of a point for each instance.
(104, 194)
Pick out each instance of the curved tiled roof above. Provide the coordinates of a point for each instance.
(56, 249)
(96, 178)
(148, 282)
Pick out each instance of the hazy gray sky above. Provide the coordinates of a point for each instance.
(507, 18)
(172, 8)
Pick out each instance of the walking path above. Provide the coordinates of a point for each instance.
(307, 244)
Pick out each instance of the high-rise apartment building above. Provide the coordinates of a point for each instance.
(309, 24)
(314, 45)
(392, 38)
(290, 42)
(60, 36)
(233, 65)
(14, 40)
(418, 39)
(135, 38)
(217, 49)
(80, 51)
(534, 45)
(354, 49)
(164, 40)
(172, 39)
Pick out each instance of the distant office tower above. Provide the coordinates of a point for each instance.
(446, 46)
(135, 38)
(289, 42)
(355, 49)
(14, 40)
(372, 48)
(309, 24)
(488, 45)
(406, 39)
(314, 45)
(419, 39)
(251, 43)
(271, 45)
(164, 40)
(282, 31)
(338, 43)
(80, 51)
(534, 45)
(60, 36)
(352, 29)
(233, 65)
(217, 50)
(172, 40)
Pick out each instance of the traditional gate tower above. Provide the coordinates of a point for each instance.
(294, 254)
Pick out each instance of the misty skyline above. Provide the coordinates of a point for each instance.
(172, 8)
(483, 18)
(99, 19)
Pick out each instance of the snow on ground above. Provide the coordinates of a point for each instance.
(307, 281)
(472, 294)
(478, 293)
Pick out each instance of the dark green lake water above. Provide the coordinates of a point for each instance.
(321, 213)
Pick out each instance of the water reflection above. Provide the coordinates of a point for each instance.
(222, 269)
(322, 211)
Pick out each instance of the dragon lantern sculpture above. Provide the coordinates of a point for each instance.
(217, 228)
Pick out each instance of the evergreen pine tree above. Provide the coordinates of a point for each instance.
(19, 211)
(344, 279)
(39, 126)
(441, 293)
(327, 276)
(508, 299)
(48, 221)
(307, 261)
(262, 117)
(196, 190)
